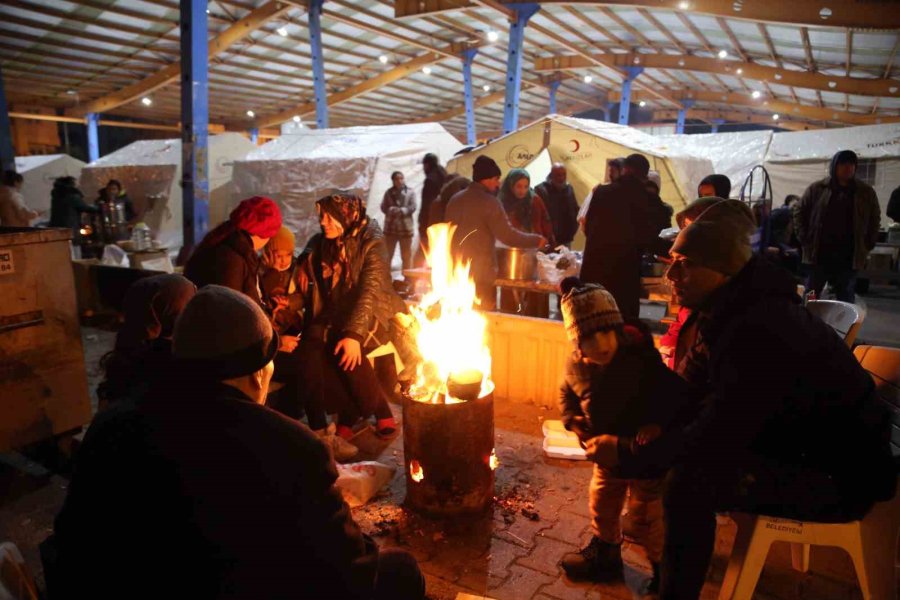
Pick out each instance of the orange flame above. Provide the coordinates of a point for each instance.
(415, 471)
(493, 461)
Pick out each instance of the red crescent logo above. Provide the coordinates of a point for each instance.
(577, 145)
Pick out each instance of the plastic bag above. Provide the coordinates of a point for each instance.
(556, 266)
(113, 256)
(360, 481)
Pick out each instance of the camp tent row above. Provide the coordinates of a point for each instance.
(39, 173)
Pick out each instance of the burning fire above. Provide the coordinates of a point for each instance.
(451, 334)
(415, 471)
(493, 461)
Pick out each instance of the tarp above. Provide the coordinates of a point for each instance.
(584, 146)
(39, 172)
(298, 169)
(732, 154)
(150, 171)
(798, 158)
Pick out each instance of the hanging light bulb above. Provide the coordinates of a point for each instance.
(723, 53)
(296, 118)
(756, 94)
(486, 87)
(493, 36)
(383, 59)
(426, 70)
(588, 79)
(251, 114)
(146, 101)
(775, 117)
(642, 104)
(282, 31)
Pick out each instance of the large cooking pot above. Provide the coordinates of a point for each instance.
(517, 263)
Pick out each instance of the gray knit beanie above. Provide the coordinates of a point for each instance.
(223, 334)
(719, 238)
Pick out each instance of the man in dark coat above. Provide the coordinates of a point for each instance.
(559, 198)
(480, 221)
(228, 255)
(66, 206)
(837, 223)
(623, 220)
(893, 207)
(201, 492)
(790, 425)
(435, 176)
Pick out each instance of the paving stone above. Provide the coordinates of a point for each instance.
(546, 556)
(522, 583)
(570, 528)
(563, 589)
(500, 557)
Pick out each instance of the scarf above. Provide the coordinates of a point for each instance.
(350, 211)
(519, 209)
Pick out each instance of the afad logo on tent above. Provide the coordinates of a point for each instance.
(519, 156)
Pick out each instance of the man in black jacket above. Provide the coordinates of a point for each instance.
(790, 426)
(559, 198)
(435, 176)
(201, 492)
(622, 221)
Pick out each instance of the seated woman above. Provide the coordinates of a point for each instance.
(282, 296)
(143, 347)
(526, 212)
(345, 280)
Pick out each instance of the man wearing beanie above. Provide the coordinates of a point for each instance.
(790, 425)
(837, 222)
(480, 221)
(615, 383)
(228, 255)
(200, 491)
(624, 219)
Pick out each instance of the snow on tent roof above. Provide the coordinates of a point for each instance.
(868, 141)
(161, 152)
(27, 163)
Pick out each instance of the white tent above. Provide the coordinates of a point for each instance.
(732, 154)
(150, 171)
(797, 158)
(298, 169)
(39, 173)
(584, 146)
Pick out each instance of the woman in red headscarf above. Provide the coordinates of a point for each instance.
(345, 278)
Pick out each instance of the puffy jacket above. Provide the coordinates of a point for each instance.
(400, 222)
(232, 263)
(361, 309)
(66, 205)
(780, 385)
(809, 214)
(563, 210)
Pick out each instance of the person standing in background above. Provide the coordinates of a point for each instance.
(714, 185)
(398, 206)
(614, 168)
(435, 176)
(67, 205)
(13, 212)
(559, 198)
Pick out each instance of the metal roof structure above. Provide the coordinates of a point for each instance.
(813, 63)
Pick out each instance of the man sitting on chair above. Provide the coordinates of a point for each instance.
(790, 426)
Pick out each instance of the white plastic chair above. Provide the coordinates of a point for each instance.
(843, 317)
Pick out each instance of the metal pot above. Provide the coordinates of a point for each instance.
(517, 263)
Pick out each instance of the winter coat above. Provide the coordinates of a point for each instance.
(780, 386)
(539, 222)
(272, 283)
(232, 263)
(130, 374)
(130, 214)
(434, 181)
(563, 210)
(358, 310)
(809, 214)
(13, 212)
(454, 184)
(198, 492)
(480, 221)
(400, 222)
(893, 207)
(635, 389)
(66, 205)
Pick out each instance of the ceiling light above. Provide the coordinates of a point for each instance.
(486, 87)
(740, 71)
(251, 114)
(426, 70)
(684, 5)
(775, 117)
(207, 11)
(723, 53)
(282, 31)
(146, 101)
(756, 94)
(588, 79)
(383, 59)
(493, 36)
(71, 92)
(642, 104)
(296, 118)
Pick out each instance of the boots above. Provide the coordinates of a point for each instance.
(340, 448)
(598, 561)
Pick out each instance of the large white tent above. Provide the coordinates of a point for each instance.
(297, 169)
(150, 171)
(39, 173)
(584, 146)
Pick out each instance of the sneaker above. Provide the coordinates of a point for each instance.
(598, 561)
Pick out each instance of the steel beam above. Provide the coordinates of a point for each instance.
(631, 74)
(318, 63)
(468, 57)
(514, 64)
(553, 87)
(194, 121)
(679, 125)
(254, 135)
(93, 138)
(7, 151)
(715, 124)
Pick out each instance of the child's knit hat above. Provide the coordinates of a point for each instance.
(587, 308)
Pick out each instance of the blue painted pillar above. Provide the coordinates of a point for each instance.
(318, 63)
(682, 114)
(254, 135)
(468, 57)
(631, 74)
(715, 124)
(7, 151)
(194, 121)
(514, 64)
(554, 85)
(93, 138)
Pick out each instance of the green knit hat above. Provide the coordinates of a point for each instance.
(719, 238)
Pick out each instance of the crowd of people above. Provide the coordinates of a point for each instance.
(196, 480)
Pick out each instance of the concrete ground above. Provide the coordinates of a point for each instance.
(512, 552)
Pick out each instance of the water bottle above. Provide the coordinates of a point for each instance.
(140, 237)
